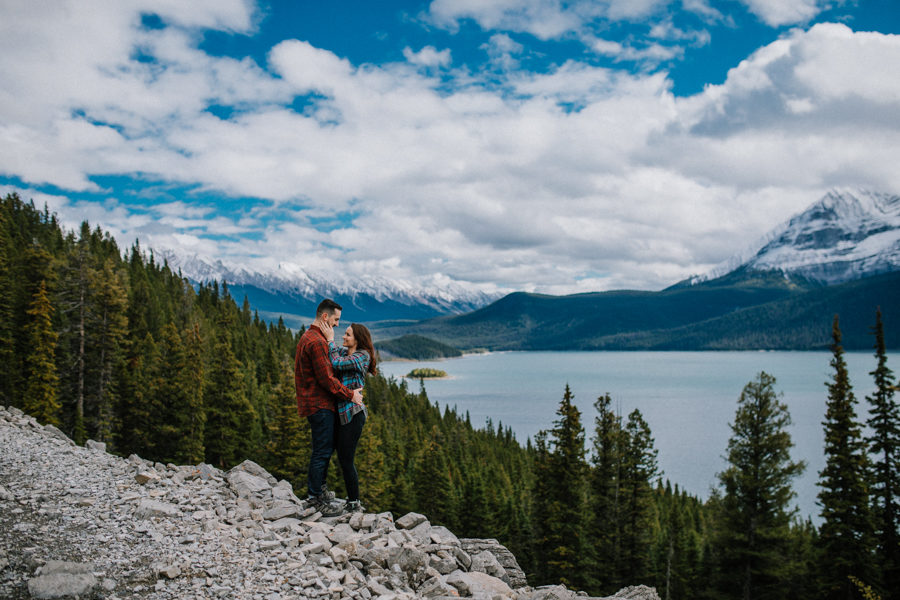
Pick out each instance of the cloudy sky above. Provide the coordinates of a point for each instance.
(533, 145)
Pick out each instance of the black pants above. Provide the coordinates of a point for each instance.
(346, 438)
(323, 427)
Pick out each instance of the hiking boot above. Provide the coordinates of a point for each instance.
(327, 494)
(324, 506)
(353, 506)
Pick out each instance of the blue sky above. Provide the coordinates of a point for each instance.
(452, 144)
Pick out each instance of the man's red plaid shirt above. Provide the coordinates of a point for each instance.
(317, 387)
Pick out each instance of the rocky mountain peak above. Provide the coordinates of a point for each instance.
(848, 234)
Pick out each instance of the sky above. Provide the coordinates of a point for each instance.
(537, 145)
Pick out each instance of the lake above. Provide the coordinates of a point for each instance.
(688, 399)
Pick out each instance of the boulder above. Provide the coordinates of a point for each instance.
(155, 508)
(479, 584)
(62, 579)
(410, 520)
(243, 483)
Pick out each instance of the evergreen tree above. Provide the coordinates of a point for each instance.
(41, 392)
(135, 395)
(757, 489)
(884, 445)
(230, 418)
(193, 421)
(288, 446)
(678, 548)
(75, 305)
(560, 476)
(605, 514)
(176, 400)
(108, 332)
(7, 325)
(433, 485)
(639, 468)
(371, 465)
(846, 531)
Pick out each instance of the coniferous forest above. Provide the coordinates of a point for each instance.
(112, 345)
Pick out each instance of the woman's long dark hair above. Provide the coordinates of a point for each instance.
(364, 342)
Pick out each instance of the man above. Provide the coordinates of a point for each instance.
(317, 390)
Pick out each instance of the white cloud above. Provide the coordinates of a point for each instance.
(428, 56)
(776, 13)
(579, 177)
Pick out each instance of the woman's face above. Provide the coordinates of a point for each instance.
(349, 340)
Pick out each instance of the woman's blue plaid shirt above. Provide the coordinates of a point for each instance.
(351, 370)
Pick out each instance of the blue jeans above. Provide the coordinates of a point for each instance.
(347, 437)
(322, 424)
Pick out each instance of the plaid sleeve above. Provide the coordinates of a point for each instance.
(358, 361)
(323, 372)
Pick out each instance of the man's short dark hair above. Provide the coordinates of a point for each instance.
(328, 306)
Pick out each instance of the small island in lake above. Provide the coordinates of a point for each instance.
(425, 373)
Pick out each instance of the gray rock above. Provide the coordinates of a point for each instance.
(248, 466)
(636, 592)
(441, 535)
(243, 483)
(281, 511)
(145, 477)
(154, 508)
(410, 520)
(506, 558)
(53, 431)
(61, 585)
(479, 584)
(61, 579)
(486, 562)
(95, 446)
(549, 592)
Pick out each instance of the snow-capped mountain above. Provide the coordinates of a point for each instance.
(291, 290)
(847, 235)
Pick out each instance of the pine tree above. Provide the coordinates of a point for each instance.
(605, 514)
(193, 423)
(7, 337)
(41, 392)
(288, 446)
(433, 485)
(108, 332)
(884, 445)
(230, 418)
(75, 305)
(846, 531)
(757, 494)
(176, 400)
(371, 466)
(639, 468)
(560, 475)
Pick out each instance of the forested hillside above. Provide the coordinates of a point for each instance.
(117, 348)
(740, 311)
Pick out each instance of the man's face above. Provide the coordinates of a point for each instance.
(333, 319)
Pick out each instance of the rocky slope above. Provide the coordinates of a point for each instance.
(79, 522)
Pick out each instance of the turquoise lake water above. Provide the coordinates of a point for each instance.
(687, 398)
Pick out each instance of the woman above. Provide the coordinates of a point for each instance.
(351, 362)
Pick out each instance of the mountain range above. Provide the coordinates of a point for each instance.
(839, 256)
(292, 293)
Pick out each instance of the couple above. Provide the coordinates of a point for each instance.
(329, 381)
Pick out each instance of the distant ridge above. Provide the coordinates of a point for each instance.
(292, 292)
